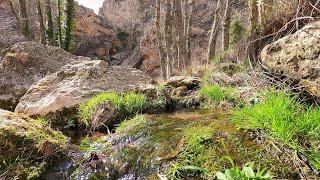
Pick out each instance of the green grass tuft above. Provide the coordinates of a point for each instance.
(133, 102)
(129, 103)
(87, 109)
(216, 93)
(285, 119)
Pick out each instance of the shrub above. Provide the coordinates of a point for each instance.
(122, 35)
(237, 30)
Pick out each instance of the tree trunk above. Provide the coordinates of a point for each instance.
(261, 12)
(211, 49)
(50, 31)
(16, 15)
(180, 34)
(226, 26)
(60, 9)
(25, 20)
(159, 41)
(168, 37)
(253, 16)
(70, 25)
(41, 23)
(188, 31)
(175, 38)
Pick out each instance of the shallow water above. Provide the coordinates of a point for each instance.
(145, 153)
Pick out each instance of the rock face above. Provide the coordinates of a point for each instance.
(29, 141)
(76, 83)
(93, 36)
(126, 14)
(26, 63)
(297, 56)
(9, 27)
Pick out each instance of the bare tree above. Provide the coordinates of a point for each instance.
(226, 26)
(179, 26)
(41, 22)
(25, 18)
(60, 25)
(161, 51)
(253, 15)
(50, 30)
(16, 14)
(214, 32)
(187, 35)
(168, 37)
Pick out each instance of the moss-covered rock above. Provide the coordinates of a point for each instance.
(26, 146)
(297, 56)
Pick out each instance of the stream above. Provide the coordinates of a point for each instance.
(148, 151)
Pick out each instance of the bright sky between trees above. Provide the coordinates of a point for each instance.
(92, 4)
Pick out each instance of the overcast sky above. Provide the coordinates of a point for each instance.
(93, 4)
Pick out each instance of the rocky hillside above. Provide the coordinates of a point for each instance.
(93, 37)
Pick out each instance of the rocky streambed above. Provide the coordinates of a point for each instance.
(152, 146)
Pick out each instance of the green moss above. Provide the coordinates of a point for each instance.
(132, 125)
(198, 155)
(42, 121)
(26, 146)
(160, 101)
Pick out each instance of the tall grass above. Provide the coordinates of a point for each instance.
(285, 119)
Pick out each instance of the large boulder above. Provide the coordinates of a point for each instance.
(24, 64)
(189, 82)
(75, 84)
(27, 146)
(297, 56)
